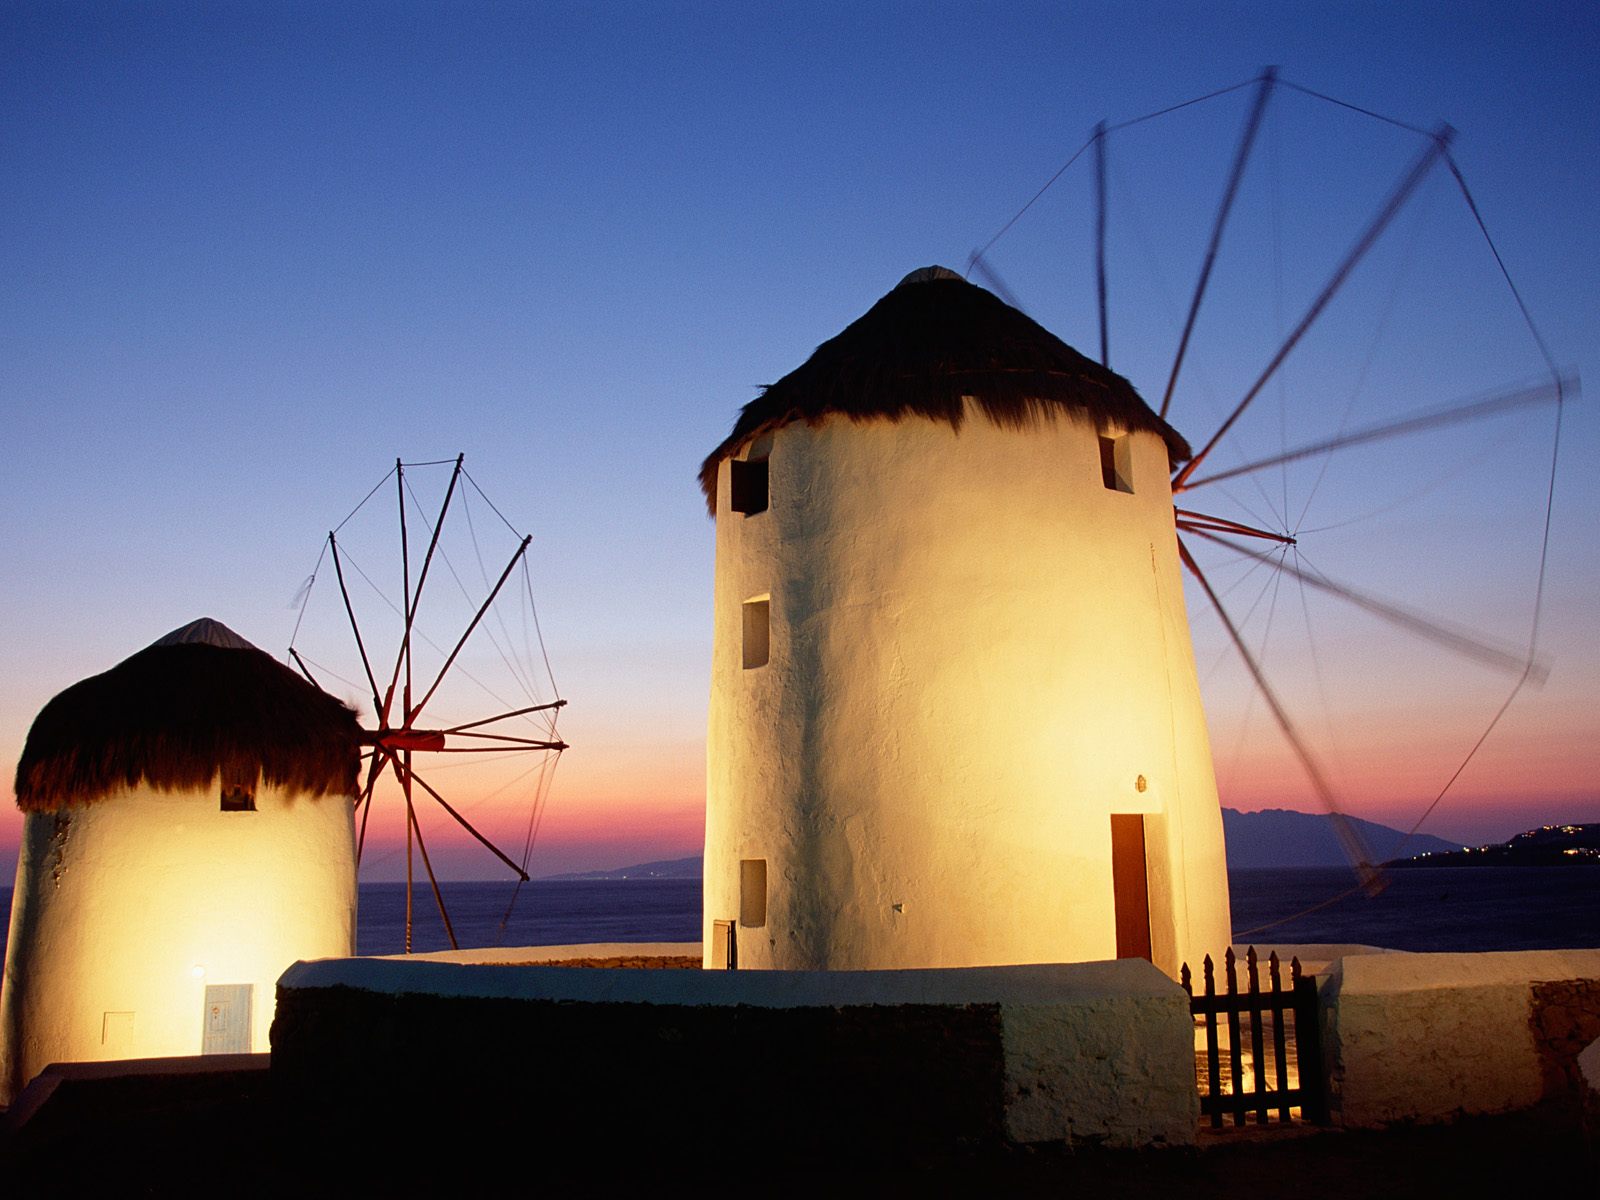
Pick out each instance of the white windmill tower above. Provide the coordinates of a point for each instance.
(189, 835)
(954, 713)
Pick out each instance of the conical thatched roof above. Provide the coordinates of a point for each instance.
(199, 703)
(920, 350)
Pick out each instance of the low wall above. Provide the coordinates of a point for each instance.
(757, 1065)
(587, 954)
(1430, 1037)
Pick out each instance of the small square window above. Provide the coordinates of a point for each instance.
(757, 632)
(238, 799)
(1116, 465)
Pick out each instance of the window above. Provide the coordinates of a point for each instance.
(238, 799)
(748, 478)
(757, 633)
(749, 487)
(753, 892)
(1116, 466)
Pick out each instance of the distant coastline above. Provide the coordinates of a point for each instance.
(1547, 846)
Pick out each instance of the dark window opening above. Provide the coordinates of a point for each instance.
(757, 633)
(238, 799)
(1116, 467)
(749, 491)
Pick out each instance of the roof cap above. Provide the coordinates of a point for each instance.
(206, 631)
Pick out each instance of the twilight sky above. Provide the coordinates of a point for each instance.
(254, 252)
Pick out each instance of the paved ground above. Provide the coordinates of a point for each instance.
(222, 1134)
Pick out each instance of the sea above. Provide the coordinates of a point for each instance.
(1435, 909)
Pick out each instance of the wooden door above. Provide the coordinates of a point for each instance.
(1130, 885)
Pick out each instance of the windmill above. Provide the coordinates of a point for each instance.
(403, 735)
(1273, 549)
(950, 639)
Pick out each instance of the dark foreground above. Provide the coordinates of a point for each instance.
(201, 1133)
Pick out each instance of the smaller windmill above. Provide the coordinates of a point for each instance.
(405, 731)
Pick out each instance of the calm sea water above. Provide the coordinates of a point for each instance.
(1445, 909)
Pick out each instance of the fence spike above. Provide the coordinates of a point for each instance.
(1186, 979)
(1294, 969)
(1211, 975)
(1272, 972)
(1251, 972)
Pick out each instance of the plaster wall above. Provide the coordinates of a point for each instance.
(1429, 1037)
(134, 904)
(1086, 1053)
(977, 651)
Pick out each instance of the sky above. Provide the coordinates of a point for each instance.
(255, 252)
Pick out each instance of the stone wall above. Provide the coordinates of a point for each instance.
(1431, 1037)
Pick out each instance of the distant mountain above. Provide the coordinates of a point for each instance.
(1549, 846)
(672, 868)
(1276, 837)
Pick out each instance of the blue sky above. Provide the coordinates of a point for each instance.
(253, 252)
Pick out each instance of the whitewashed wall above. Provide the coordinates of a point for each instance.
(1429, 1037)
(134, 904)
(977, 650)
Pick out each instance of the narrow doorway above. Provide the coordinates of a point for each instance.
(1130, 886)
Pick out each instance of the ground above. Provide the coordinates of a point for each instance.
(174, 1136)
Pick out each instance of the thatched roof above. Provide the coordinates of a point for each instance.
(919, 351)
(199, 703)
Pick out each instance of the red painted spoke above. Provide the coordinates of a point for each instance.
(516, 712)
(509, 739)
(1200, 522)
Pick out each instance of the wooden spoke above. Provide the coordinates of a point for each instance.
(508, 743)
(1350, 838)
(1415, 174)
(433, 881)
(305, 670)
(338, 569)
(478, 616)
(1562, 387)
(467, 825)
(374, 770)
(1460, 641)
(1197, 522)
(516, 712)
(992, 277)
(1240, 158)
(1100, 238)
(415, 600)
